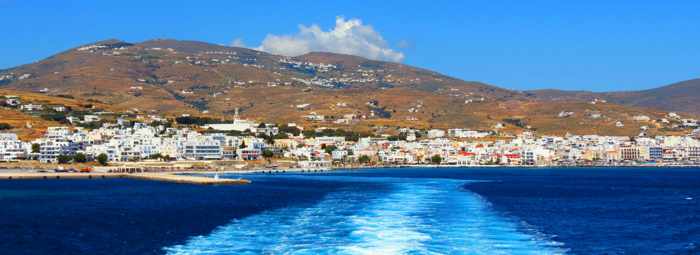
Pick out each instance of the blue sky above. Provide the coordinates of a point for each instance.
(582, 45)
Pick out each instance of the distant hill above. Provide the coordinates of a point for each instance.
(681, 97)
(678, 97)
(172, 77)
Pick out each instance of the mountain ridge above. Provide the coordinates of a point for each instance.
(172, 77)
(683, 96)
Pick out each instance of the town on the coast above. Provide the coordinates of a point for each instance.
(139, 140)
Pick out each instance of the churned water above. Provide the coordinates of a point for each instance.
(381, 211)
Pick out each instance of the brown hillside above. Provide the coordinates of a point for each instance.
(173, 77)
(678, 97)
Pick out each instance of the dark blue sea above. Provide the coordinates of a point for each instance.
(381, 211)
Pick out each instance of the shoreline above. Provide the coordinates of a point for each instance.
(173, 177)
(196, 176)
(398, 167)
(287, 165)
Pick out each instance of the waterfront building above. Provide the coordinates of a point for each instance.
(656, 153)
(249, 153)
(630, 153)
(49, 150)
(56, 142)
(11, 148)
(611, 154)
(339, 155)
(139, 141)
(312, 164)
(694, 153)
(202, 148)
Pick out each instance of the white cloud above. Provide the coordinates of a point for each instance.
(238, 42)
(348, 37)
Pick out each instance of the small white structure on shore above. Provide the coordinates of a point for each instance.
(237, 125)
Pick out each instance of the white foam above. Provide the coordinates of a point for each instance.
(391, 224)
(417, 216)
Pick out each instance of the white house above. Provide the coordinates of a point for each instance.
(237, 125)
(59, 108)
(314, 117)
(641, 118)
(31, 107)
(56, 142)
(91, 118)
(690, 123)
(463, 133)
(436, 133)
(12, 101)
(329, 140)
(11, 148)
(339, 155)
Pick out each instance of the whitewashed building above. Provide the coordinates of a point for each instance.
(201, 148)
(11, 148)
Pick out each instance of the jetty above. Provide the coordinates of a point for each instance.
(164, 177)
(191, 179)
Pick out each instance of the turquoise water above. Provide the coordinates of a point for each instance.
(381, 211)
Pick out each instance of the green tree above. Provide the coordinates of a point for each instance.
(54, 116)
(166, 124)
(102, 159)
(36, 148)
(330, 148)
(155, 156)
(364, 159)
(309, 133)
(403, 136)
(267, 154)
(79, 158)
(191, 120)
(64, 159)
(268, 139)
(436, 159)
(232, 132)
(91, 125)
(292, 130)
(281, 136)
